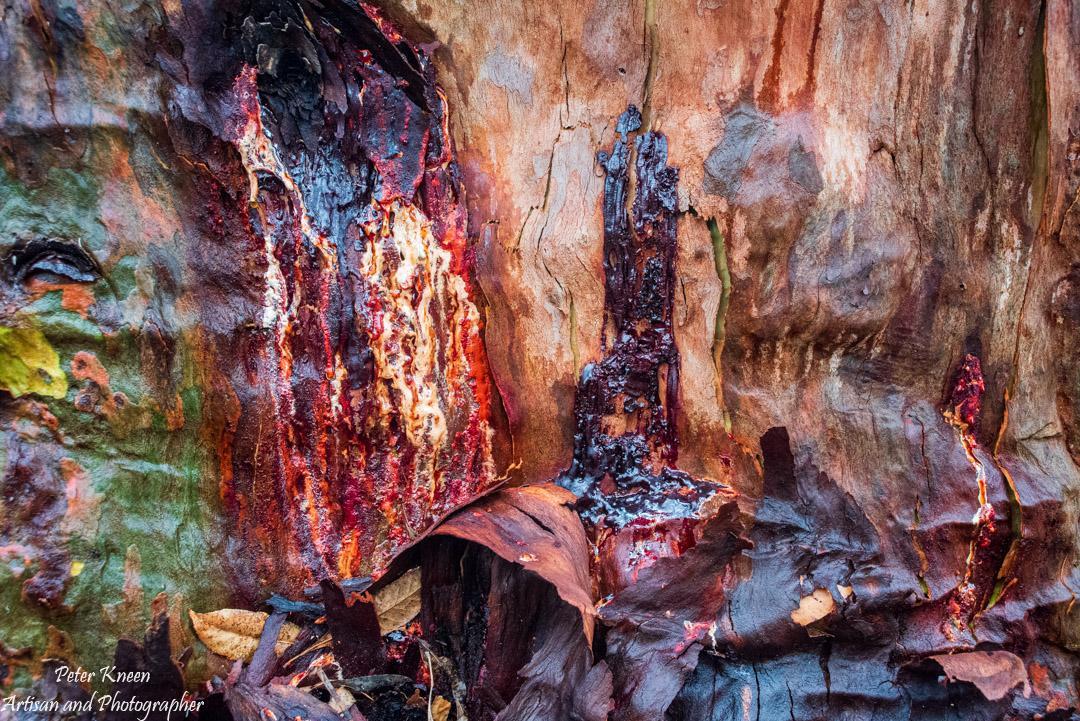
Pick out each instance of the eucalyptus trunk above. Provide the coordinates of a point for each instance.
(782, 300)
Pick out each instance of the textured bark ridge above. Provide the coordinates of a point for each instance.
(876, 225)
(372, 412)
(798, 349)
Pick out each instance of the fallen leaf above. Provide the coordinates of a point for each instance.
(234, 633)
(342, 700)
(399, 602)
(439, 709)
(994, 673)
(814, 607)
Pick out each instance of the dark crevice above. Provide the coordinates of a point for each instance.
(779, 464)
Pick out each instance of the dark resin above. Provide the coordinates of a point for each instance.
(625, 440)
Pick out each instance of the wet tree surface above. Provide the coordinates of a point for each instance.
(702, 360)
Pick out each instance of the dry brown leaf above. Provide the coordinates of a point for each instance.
(234, 633)
(398, 602)
(439, 710)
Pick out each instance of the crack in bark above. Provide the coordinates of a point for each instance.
(651, 45)
(810, 83)
(723, 273)
(1040, 119)
(566, 79)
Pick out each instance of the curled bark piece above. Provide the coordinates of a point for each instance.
(265, 659)
(534, 527)
(994, 673)
(658, 626)
(279, 701)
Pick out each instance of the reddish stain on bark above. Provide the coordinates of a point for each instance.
(988, 545)
(965, 398)
(769, 96)
(365, 407)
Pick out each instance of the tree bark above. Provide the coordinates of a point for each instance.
(786, 294)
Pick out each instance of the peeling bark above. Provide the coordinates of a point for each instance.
(783, 296)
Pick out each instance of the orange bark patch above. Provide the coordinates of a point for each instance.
(86, 366)
(76, 297)
(994, 673)
(96, 395)
(81, 500)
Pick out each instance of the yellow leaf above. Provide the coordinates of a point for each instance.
(28, 364)
(399, 602)
(234, 633)
(439, 709)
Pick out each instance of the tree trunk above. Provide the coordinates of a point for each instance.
(785, 295)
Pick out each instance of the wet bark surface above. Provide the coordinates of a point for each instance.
(710, 360)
